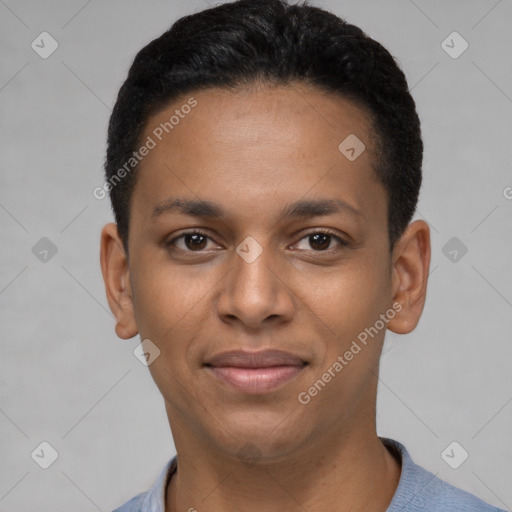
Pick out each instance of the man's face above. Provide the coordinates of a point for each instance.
(253, 154)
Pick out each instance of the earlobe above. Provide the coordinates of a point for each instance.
(411, 262)
(114, 267)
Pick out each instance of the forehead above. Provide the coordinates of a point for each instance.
(296, 117)
(258, 146)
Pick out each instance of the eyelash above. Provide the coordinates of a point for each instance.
(325, 231)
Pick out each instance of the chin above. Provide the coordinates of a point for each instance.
(258, 437)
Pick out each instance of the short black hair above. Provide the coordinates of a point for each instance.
(249, 41)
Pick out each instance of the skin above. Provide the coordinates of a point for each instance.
(253, 151)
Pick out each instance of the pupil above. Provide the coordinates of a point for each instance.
(196, 241)
(318, 238)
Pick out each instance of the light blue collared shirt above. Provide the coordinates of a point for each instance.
(418, 490)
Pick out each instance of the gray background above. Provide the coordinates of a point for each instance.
(65, 377)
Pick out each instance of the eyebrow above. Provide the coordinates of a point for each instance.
(298, 209)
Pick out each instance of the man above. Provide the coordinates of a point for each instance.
(264, 165)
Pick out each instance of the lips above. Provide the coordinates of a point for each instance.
(255, 372)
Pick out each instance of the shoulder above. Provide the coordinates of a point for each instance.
(152, 500)
(420, 490)
(133, 505)
(454, 499)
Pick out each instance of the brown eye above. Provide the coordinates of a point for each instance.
(195, 242)
(190, 241)
(320, 241)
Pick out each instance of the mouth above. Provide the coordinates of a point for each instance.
(255, 372)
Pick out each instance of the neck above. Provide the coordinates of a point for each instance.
(346, 472)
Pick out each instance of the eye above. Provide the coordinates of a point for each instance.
(197, 241)
(320, 241)
(192, 241)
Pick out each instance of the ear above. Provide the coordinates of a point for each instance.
(114, 267)
(411, 263)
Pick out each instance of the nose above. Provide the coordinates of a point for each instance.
(255, 293)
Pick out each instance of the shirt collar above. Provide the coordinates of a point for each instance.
(154, 500)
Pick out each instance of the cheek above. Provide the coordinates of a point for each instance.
(351, 301)
(349, 307)
(168, 297)
(170, 310)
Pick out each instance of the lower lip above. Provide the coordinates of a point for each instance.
(255, 380)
